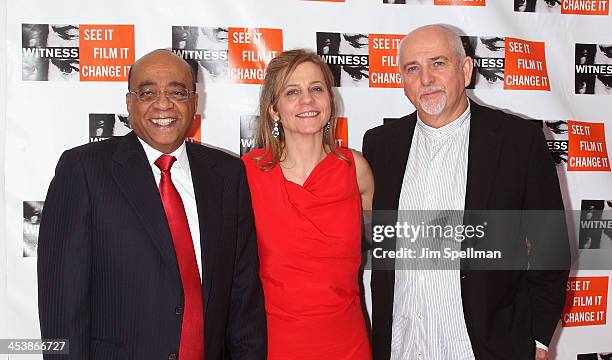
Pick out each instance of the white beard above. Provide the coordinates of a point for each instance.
(433, 107)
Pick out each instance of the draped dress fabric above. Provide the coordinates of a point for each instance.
(309, 242)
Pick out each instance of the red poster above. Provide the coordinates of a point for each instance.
(106, 52)
(585, 7)
(384, 71)
(250, 50)
(587, 149)
(342, 132)
(586, 301)
(525, 67)
(461, 2)
(195, 131)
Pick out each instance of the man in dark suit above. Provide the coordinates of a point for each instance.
(147, 248)
(455, 154)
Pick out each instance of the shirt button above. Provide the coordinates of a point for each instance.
(420, 316)
(172, 356)
(178, 310)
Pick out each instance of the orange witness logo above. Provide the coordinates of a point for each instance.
(525, 66)
(586, 301)
(587, 147)
(384, 71)
(585, 7)
(106, 52)
(250, 50)
(342, 132)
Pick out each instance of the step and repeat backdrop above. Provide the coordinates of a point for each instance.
(548, 61)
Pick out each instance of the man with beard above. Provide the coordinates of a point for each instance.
(455, 155)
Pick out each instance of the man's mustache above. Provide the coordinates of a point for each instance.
(430, 89)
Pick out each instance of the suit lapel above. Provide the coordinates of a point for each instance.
(398, 150)
(388, 189)
(208, 188)
(134, 177)
(483, 155)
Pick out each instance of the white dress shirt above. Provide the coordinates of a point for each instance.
(428, 321)
(181, 178)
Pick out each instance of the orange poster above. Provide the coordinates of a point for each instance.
(384, 71)
(587, 147)
(342, 132)
(525, 67)
(250, 50)
(586, 301)
(461, 2)
(106, 52)
(585, 7)
(195, 131)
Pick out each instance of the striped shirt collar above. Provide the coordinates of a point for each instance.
(446, 130)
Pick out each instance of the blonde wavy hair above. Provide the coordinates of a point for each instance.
(277, 74)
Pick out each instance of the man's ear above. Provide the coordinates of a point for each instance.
(129, 102)
(467, 67)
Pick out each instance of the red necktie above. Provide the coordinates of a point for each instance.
(192, 332)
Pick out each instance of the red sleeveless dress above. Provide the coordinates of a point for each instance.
(309, 241)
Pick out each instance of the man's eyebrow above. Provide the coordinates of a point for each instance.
(177, 83)
(153, 83)
(432, 59)
(147, 83)
(410, 63)
(441, 57)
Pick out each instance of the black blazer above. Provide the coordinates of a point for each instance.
(108, 279)
(509, 168)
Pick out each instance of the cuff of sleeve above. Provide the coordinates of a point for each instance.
(539, 345)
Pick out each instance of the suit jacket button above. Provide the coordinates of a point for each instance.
(178, 310)
(172, 356)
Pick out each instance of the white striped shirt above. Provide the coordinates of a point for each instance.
(428, 320)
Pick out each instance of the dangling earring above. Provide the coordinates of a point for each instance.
(275, 131)
(327, 127)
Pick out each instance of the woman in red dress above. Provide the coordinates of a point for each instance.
(307, 197)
